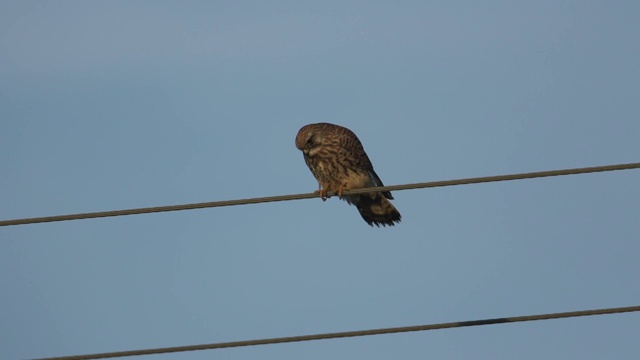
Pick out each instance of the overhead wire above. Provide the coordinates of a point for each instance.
(335, 335)
(433, 184)
(324, 336)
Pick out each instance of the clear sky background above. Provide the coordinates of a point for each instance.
(118, 104)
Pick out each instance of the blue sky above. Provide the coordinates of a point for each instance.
(115, 105)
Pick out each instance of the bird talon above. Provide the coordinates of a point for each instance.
(322, 193)
(342, 188)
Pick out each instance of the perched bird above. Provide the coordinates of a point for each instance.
(337, 159)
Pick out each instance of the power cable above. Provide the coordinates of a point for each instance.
(336, 335)
(433, 184)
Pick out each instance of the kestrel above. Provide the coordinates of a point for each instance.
(337, 159)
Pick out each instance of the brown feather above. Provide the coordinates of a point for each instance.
(337, 159)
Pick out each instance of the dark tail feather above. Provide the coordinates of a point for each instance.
(377, 210)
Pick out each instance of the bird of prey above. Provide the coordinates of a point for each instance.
(338, 161)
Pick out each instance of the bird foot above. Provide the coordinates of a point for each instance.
(322, 193)
(342, 188)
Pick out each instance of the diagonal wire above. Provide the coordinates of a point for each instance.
(476, 180)
(351, 333)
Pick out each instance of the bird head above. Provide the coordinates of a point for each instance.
(309, 140)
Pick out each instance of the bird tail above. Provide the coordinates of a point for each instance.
(376, 210)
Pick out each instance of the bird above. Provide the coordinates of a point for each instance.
(337, 159)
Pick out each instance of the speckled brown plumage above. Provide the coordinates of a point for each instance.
(338, 161)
